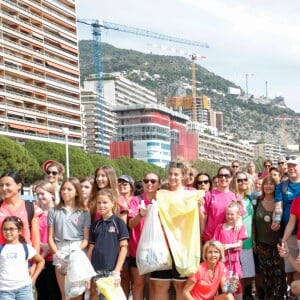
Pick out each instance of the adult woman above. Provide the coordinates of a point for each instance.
(136, 220)
(242, 189)
(216, 201)
(202, 182)
(267, 164)
(235, 166)
(13, 205)
(251, 174)
(190, 176)
(266, 237)
(161, 280)
(210, 276)
(54, 172)
(105, 177)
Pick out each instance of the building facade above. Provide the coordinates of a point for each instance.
(152, 133)
(219, 149)
(39, 72)
(269, 151)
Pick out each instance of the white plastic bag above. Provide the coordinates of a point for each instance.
(79, 271)
(152, 252)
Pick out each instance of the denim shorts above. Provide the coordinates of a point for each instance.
(22, 293)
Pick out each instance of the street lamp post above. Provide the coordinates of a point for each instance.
(65, 131)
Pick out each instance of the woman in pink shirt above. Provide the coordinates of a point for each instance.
(13, 205)
(136, 220)
(215, 203)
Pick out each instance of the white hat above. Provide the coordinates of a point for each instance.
(293, 159)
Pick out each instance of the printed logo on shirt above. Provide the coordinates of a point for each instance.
(76, 220)
(11, 255)
(111, 229)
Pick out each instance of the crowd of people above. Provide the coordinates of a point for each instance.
(248, 229)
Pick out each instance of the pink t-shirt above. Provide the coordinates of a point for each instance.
(44, 232)
(22, 214)
(135, 232)
(229, 237)
(215, 203)
(295, 210)
(206, 285)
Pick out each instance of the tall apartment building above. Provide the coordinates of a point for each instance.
(99, 123)
(39, 72)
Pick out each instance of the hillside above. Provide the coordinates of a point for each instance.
(166, 75)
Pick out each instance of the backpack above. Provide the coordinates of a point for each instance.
(24, 246)
(30, 211)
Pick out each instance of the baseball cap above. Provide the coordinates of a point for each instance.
(127, 178)
(292, 159)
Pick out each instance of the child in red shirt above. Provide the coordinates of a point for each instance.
(211, 274)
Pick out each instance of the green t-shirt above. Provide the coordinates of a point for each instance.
(247, 219)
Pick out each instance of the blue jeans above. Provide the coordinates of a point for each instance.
(23, 293)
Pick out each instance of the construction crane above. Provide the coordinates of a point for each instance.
(97, 27)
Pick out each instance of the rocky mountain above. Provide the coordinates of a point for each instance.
(252, 119)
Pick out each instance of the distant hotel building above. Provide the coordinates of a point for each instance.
(152, 133)
(269, 151)
(39, 73)
(220, 150)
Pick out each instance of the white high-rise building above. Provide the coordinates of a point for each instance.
(39, 71)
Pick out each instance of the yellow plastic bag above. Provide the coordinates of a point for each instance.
(107, 287)
(179, 215)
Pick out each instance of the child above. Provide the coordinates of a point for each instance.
(211, 274)
(231, 234)
(46, 284)
(108, 241)
(15, 281)
(68, 227)
(105, 177)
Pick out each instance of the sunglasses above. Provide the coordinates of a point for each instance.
(291, 157)
(149, 180)
(124, 183)
(281, 163)
(240, 180)
(235, 166)
(202, 181)
(52, 172)
(224, 175)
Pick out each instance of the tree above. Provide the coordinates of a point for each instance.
(137, 168)
(15, 157)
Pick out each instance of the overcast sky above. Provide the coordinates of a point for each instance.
(256, 37)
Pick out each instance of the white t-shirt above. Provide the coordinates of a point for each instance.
(14, 272)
